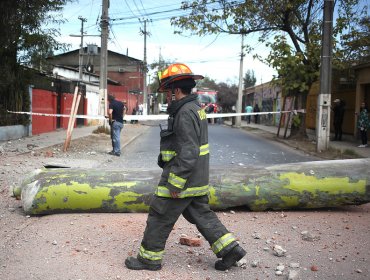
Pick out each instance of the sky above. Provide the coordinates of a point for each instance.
(215, 56)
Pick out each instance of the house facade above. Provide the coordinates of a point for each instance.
(125, 70)
(352, 86)
(52, 93)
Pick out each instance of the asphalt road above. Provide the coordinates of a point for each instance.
(228, 147)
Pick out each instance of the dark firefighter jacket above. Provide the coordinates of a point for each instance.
(184, 151)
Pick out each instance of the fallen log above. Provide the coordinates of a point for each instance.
(304, 185)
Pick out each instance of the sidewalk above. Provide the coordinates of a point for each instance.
(44, 140)
(348, 142)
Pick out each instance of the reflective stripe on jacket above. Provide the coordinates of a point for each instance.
(185, 152)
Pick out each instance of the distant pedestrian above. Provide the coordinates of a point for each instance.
(141, 108)
(363, 123)
(210, 110)
(338, 109)
(134, 112)
(117, 111)
(256, 109)
(248, 110)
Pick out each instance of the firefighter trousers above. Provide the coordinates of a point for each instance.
(163, 214)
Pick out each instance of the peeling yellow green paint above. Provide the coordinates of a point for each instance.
(290, 201)
(72, 196)
(123, 198)
(331, 185)
(257, 190)
(75, 195)
(261, 201)
(246, 188)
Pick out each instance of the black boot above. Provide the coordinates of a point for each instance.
(236, 254)
(136, 264)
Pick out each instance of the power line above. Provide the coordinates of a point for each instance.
(173, 10)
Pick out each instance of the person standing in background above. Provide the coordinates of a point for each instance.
(248, 110)
(116, 113)
(256, 109)
(363, 123)
(339, 109)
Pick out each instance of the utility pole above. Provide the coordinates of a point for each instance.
(323, 102)
(238, 119)
(104, 57)
(146, 104)
(81, 52)
(80, 60)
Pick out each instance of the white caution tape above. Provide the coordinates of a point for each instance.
(225, 115)
(96, 117)
(154, 117)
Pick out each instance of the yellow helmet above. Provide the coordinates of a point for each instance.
(175, 72)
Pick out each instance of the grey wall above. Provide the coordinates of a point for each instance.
(13, 132)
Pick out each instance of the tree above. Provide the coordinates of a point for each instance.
(294, 25)
(227, 96)
(207, 82)
(24, 43)
(249, 79)
(355, 47)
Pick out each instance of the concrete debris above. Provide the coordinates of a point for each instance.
(280, 267)
(242, 263)
(256, 236)
(255, 263)
(279, 251)
(307, 236)
(31, 146)
(293, 275)
(294, 265)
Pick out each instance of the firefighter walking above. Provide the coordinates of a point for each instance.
(183, 187)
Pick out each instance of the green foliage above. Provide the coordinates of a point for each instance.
(24, 43)
(249, 79)
(354, 45)
(293, 74)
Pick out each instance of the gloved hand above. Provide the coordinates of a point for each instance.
(160, 162)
